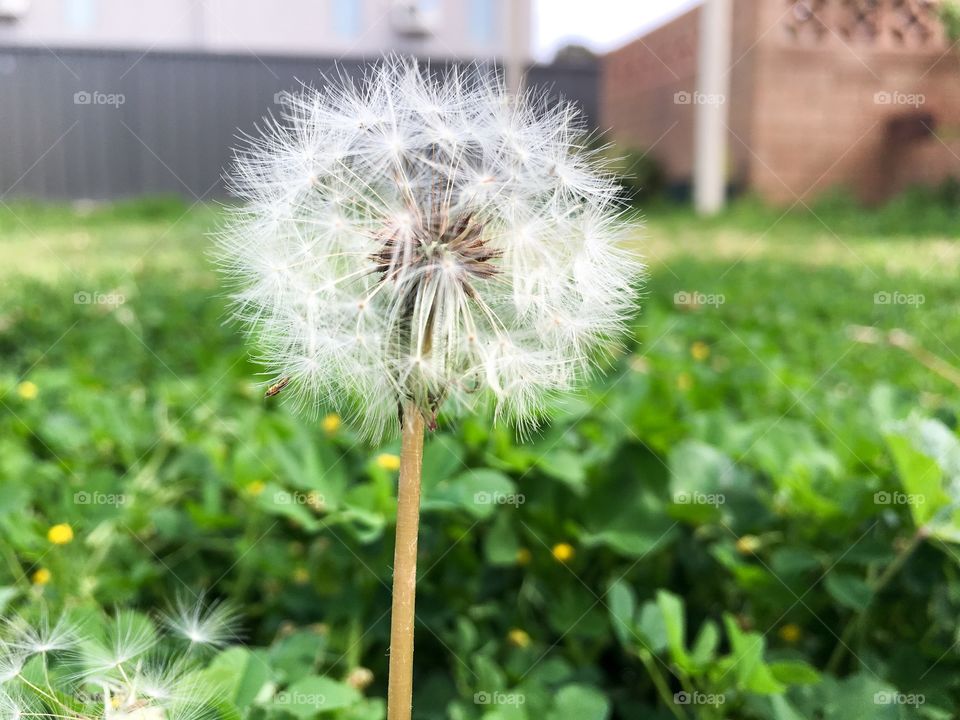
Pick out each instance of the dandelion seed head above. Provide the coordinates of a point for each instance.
(427, 238)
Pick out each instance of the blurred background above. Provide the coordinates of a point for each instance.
(752, 513)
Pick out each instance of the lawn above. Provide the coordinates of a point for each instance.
(749, 514)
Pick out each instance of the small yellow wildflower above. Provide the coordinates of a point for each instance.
(518, 638)
(790, 633)
(27, 390)
(523, 556)
(256, 488)
(748, 544)
(388, 461)
(41, 577)
(60, 534)
(699, 351)
(301, 576)
(684, 381)
(331, 423)
(563, 552)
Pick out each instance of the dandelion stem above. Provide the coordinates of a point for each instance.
(400, 689)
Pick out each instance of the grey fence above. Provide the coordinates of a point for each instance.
(109, 124)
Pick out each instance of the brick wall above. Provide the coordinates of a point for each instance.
(819, 98)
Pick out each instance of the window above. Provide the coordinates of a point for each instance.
(81, 14)
(483, 21)
(347, 17)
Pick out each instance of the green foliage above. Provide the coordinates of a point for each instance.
(748, 515)
(950, 16)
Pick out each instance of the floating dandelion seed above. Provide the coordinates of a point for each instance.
(129, 637)
(212, 625)
(17, 705)
(418, 241)
(426, 239)
(44, 636)
(12, 660)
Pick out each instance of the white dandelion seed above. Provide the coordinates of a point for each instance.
(427, 239)
(129, 636)
(167, 688)
(43, 636)
(211, 625)
(15, 704)
(12, 660)
(125, 667)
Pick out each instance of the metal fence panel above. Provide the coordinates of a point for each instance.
(109, 124)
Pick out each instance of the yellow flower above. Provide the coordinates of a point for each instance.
(790, 633)
(563, 552)
(700, 351)
(388, 461)
(748, 544)
(523, 556)
(519, 638)
(331, 423)
(41, 576)
(684, 381)
(60, 534)
(301, 576)
(256, 487)
(27, 390)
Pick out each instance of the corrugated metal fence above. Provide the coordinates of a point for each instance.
(108, 124)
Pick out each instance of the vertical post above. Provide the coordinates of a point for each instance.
(400, 681)
(200, 10)
(516, 14)
(710, 107)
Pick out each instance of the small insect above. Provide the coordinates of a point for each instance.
(277, 387)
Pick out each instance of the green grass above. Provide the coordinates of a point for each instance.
(766, 397)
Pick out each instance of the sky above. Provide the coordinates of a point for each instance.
(599, 24)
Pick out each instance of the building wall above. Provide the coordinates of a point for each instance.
(648, 93)
(845, 100)
(818, 99)
(350, 28)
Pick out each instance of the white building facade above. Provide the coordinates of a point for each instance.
(481, 29)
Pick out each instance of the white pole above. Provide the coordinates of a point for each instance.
(710, 107)
(517, 31)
